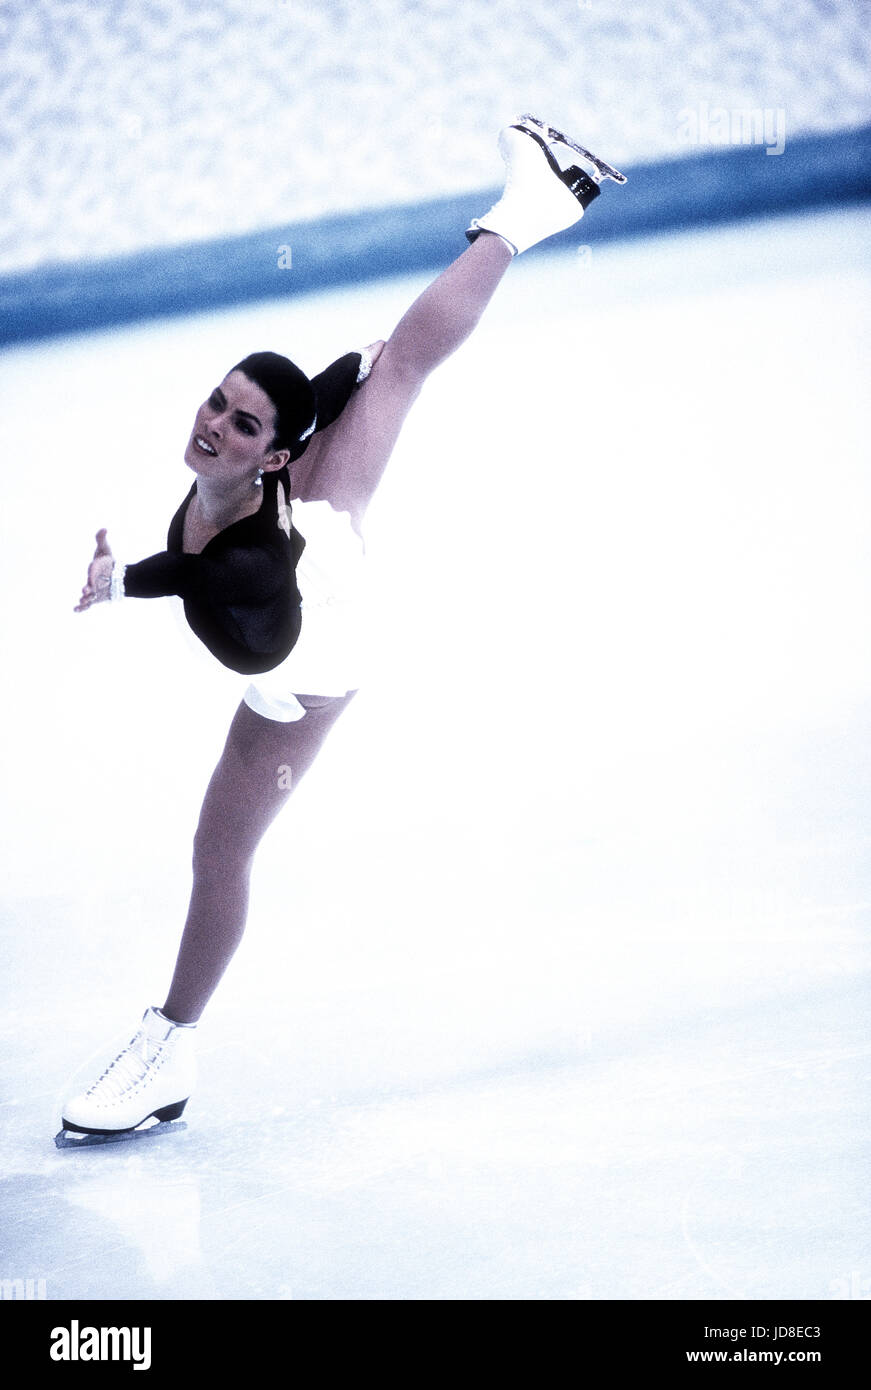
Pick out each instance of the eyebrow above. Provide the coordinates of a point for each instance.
(218, 392)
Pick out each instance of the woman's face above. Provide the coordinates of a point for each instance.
(233, 432)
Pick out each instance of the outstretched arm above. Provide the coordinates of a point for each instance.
(242, 575)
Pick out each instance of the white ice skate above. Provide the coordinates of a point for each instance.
(551, 180)
(150, 1080)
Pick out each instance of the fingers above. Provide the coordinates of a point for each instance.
(88, 597)
(102, 543)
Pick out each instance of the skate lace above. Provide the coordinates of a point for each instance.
(128, 1070)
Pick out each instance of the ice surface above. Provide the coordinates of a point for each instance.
(553, 983)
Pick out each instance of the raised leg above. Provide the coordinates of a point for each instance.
(247, 790)
(347, 461)
(441, 319)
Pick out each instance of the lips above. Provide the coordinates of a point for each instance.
(204, 446)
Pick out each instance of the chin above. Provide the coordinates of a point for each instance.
(192, 456)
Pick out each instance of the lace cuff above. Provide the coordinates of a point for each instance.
(116, 586)
(365, 365)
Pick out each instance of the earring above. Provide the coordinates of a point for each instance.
(258, 481)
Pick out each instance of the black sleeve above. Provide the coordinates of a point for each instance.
(241, 575)
(334, 386)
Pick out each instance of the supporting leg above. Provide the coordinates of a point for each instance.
(245, 794)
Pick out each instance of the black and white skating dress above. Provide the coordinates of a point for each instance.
(240, 593)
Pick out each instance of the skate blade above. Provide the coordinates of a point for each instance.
(72, 1139)
(605, 171)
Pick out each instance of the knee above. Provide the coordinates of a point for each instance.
(217, 851)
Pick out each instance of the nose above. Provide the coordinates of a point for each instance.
(213, 420)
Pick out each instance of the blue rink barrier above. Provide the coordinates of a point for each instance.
(693, 191)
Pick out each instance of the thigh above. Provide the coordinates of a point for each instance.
(262, 762)
(353, 452)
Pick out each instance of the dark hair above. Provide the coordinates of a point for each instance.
(290, 391)
(302, 406)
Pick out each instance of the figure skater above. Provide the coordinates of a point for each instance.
(265, 552)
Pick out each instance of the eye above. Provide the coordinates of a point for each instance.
(245, 426)
(214, 401)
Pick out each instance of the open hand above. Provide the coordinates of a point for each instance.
(98, 586)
